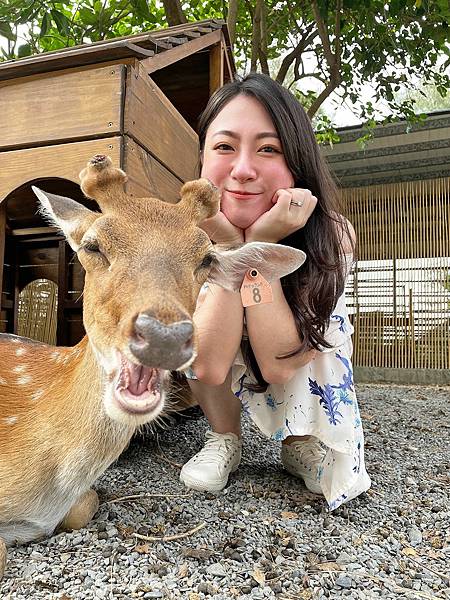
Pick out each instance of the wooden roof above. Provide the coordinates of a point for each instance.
(398, 152)
(165, 45)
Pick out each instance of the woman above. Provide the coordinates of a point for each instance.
(287, 363)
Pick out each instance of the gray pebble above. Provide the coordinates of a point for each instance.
(415, 535)
(216, 570)
(343, 581)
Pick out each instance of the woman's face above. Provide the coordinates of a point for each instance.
(243, 158)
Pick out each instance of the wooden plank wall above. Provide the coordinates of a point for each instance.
(146, 176)
(64, 160)
(154, 123)
(61, 106)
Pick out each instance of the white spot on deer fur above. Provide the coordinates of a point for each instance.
(24, 380)
(20, 368)
(15, 340)
(3, 381)
(58, 357)
(20, 351)
(37, 395)
(10, 420)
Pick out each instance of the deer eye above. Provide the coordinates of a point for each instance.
(207, 261)
(91, 246)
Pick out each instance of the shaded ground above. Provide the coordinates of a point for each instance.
(264, 536)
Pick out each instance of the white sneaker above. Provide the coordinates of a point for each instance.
(303, 459)
(209, 469)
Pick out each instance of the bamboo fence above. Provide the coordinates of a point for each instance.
(399, 291)
(37, 311)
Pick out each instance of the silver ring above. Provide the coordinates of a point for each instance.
(299, 204)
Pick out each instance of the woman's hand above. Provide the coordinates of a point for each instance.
(290, 211)
(221, 231)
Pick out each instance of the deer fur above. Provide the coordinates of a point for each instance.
(67, 413)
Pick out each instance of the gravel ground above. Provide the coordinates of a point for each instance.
(264, 536)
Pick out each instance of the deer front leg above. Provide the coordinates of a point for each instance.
(2, 558)
(81, 512)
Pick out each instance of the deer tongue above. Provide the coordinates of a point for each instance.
(138, 379)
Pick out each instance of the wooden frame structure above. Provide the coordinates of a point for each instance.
(396, 192)
(136, 99)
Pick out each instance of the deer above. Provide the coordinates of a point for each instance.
(67, 413)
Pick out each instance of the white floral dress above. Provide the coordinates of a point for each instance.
(319, 400)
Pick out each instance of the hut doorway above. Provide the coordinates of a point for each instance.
(34, 253)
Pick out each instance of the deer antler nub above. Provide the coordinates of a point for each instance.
(103, 182)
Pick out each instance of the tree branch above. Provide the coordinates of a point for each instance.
(296, 53)
(323, 33)
(264, 41)
(322, 97)
(174, 12)
(233, 6)
(333, 60)
(256, 36)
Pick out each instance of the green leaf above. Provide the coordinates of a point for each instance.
(87, 16)
(62, 22)
(141, 8)
(6, 31)
(24, 50)
(45, 25)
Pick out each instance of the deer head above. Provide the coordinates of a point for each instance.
(145, 262)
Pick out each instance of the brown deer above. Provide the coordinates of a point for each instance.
(67, 413)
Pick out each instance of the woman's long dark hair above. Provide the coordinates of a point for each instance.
(313, 290)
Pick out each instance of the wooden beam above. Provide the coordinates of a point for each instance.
(61, 325)
(32, 231)
(215, 68)
(229, 65)
(2, 246)
(75, 57)
(159, 61)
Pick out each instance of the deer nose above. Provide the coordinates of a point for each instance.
(162, 346)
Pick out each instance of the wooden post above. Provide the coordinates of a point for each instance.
(61, 325)
(2, 246)
(215, 68)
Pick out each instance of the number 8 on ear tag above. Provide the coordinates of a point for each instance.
(255, 289)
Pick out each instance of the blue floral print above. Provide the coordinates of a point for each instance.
(332, 396)
(328, 400)
(341, 320)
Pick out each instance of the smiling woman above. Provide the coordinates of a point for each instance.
(247, 162)
(286, 361)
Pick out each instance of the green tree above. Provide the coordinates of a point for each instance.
(338, 44)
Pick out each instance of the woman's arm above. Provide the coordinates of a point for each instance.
(272, 332)
(219, 323)
(271, 327)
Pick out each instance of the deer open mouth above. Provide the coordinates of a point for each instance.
(138, 388)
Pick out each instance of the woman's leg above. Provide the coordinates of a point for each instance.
(210, 468)
(219, 405)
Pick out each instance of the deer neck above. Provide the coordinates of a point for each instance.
(83, 398)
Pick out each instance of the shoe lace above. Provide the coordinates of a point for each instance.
(311, 452)
(217, 447)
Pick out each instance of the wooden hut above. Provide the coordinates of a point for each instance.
(397, 194)
(136, 99)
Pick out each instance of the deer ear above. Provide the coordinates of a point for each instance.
(273, 261)
(71, 217)
(200, 198)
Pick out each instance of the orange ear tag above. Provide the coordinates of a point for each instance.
(255, 289)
